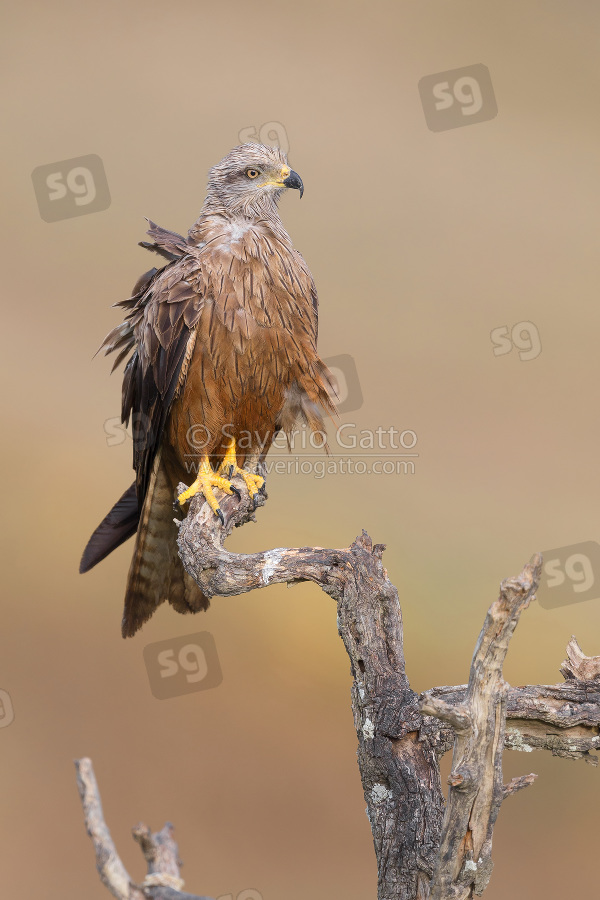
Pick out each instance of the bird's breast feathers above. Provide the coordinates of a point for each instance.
(253, 282)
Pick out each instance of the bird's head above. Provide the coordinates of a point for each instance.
(250, 180)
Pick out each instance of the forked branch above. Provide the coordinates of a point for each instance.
(424, 847)
(162, 881)
(464, 861)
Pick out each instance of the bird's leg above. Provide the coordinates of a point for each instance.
(204, 484)
(230, 467)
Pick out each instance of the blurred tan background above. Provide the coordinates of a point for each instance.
(421, 244)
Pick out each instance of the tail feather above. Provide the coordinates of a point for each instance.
(119, 525)
(156, 572)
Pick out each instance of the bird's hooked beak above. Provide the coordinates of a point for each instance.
(293, 180)
(287, 178)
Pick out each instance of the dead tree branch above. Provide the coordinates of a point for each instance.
(425, 850)
(162, 882)
(561, 718)
(397, 747)
(476, 793)
(578, 666)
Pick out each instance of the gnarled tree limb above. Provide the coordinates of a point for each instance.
(397, 746)
(424, 849)
(561, 718)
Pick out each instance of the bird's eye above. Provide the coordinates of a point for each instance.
(252, 173)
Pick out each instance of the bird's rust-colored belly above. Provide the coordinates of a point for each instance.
(230, 393)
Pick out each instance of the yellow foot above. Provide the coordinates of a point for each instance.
(204, 484)
(229, 465)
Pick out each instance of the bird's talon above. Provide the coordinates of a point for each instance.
(220, 515)
(205, 484)
(236, 492)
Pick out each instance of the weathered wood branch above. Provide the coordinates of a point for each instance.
(579, 666)
(162, 882)
(397, 746)
(561, 718)
(424, 848)
(464, 862)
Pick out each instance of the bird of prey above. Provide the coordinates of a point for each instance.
(222, 346)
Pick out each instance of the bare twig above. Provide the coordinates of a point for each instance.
(112, 872)
(517, 784)
(162, 882)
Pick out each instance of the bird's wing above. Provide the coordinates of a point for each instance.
(159, 332)
(311, 290)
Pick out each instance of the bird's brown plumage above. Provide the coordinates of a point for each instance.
(223, 343)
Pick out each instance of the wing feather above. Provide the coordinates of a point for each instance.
(158, 330)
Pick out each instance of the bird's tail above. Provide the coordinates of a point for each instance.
(115, 528)
(156, 572)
